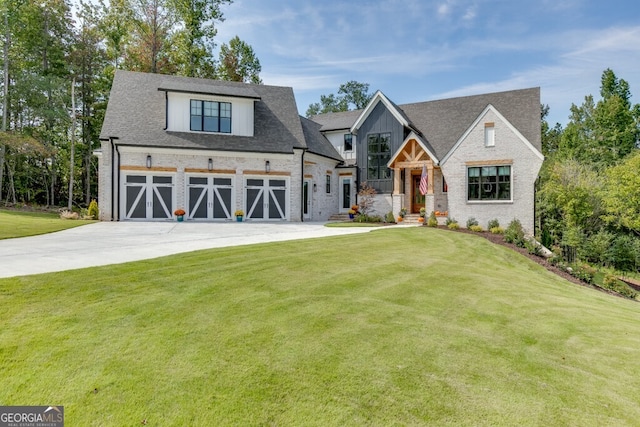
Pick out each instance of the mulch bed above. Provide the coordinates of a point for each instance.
(498, 239)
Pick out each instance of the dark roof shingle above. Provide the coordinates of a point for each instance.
(443, 122)
(136, 114)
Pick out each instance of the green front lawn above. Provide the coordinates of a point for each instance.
(21, 224)
(408, 326)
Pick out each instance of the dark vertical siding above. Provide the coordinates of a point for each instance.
(379, 121)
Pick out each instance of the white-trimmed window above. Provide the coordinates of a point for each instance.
(348, 142)
(489, 183)
(489, 135)
(210, 116)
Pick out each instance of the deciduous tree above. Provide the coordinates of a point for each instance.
(238, 62)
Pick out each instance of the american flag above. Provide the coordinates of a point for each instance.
(423, 181)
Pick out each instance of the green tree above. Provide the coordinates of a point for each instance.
(550, 136)
(356, 94)
(238, 62)
(622, 194)
(89, 60)
(351, 95)
(605, 132)
(570, 198)
(148, 50)
(193, 44)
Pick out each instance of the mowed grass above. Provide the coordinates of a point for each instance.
(410, 326)
(21, 224)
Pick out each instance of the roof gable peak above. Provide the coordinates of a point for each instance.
(377, 98)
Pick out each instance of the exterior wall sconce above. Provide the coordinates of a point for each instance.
(148, 162)
(210, 164)
(267, 166)
(315, 187)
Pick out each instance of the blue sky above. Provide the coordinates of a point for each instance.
(420, 50)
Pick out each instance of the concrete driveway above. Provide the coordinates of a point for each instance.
(106, 243)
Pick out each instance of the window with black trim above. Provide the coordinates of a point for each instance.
(489, 183)
(210, 116)
(328, 184)
(379, 154)
(348, 142)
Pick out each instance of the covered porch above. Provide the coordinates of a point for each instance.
(407, 165)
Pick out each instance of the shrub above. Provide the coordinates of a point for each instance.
(611, 282)
(367, 218)
(93, 210)
(432, 221)
(494, 223)
(390, 218)
(477, 228)
(496, 230)
(453, 225)
(584, 272)
(515, 233)
(471, 222)
(366, 197)
(546, 239)
(450, 221)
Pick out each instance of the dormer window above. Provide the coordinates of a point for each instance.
(210, 116)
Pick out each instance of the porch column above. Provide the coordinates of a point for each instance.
(396, 181)
(430, 176)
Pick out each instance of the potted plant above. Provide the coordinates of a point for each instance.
(239, 214)
(402, 214)
(352, 213)
(179, 213)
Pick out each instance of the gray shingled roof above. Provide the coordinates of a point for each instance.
(337, 121)
(316, 141)
(443, 122)
(136, 114)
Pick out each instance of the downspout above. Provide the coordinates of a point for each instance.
(118, 186)
(112, 175)
(166, 110)
(302, 186)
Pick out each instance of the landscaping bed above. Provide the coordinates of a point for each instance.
(544, 262)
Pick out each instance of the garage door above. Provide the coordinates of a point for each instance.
(210, 197)
(148, 196)
(267, 198)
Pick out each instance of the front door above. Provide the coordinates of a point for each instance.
(345, 195)
(417, 199)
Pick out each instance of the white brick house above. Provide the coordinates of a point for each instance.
(212, 147)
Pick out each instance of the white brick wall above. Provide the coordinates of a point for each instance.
(525, 165)
(242, 164)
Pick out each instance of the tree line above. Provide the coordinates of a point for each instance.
(588, 195)
(57, 74)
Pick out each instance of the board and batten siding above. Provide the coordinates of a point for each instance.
(336, 138)
(379, 121)
(179, 112)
